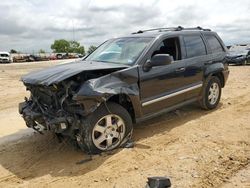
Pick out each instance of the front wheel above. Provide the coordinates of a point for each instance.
(211, 94)
(106, 129)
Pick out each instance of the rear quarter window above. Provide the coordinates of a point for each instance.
(194, 46)
(214, 43)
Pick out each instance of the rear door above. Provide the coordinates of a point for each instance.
(196, 58)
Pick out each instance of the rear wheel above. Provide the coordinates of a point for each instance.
(106, 129)
(211, 93)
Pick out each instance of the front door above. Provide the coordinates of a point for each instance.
(162, 86)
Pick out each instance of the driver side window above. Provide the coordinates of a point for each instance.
(169, 46)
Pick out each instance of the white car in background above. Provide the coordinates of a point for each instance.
(5, 57)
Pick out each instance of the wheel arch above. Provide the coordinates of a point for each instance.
(215, 70)
(221, 78)
(130, 103)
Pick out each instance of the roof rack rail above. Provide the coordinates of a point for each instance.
(179, 28)
(196, 28)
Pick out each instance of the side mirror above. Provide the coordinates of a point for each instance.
(158, 60)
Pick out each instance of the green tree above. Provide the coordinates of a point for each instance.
(12, 51)
(80, 50)
(61, 45)
(91, 49)
(65, 46)
(41, 51)
(75, 47)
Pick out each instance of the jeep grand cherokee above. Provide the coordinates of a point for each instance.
(126, 80)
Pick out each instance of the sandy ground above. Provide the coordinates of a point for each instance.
(195, 148)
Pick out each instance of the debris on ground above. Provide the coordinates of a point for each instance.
(158, 182)
(129, 144)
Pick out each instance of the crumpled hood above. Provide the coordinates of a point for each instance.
(61, 72)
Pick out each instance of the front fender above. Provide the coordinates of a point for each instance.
(95, 91)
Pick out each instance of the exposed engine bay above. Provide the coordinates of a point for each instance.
(53, 108)
(68, 100)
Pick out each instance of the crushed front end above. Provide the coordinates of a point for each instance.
(52, 108)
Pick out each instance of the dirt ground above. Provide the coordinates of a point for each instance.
(195, 148)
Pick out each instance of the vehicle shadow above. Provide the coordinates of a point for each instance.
(39, 155)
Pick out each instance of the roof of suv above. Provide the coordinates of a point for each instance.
(163, 31)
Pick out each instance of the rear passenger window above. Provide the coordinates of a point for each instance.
(214, 44)
(194, 46)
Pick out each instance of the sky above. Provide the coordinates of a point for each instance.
(30, 25)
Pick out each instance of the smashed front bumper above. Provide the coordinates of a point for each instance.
(39, 122)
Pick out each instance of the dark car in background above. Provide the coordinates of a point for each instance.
(37, 57)
(239, 55)
(124, 81)
(68, 55)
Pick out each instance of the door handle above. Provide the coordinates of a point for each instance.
(182, 69)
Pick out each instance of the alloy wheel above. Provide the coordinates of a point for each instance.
(108, 132)
(213, 94)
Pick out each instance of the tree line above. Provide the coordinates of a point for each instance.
(66, 46)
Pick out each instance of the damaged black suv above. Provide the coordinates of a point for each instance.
(125, 80)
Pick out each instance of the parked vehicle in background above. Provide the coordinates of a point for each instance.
(96, 101)
(79, 55)
(60, 55)
(23, 57)
(29, 58)
(68, 55)
(52, 56)
(38, 58)
(5, 57)
(20, 58)
(239, 55)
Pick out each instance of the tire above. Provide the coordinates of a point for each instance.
(59, 56)
(97, 135)
(211, 94)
